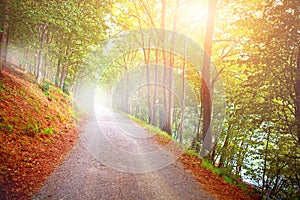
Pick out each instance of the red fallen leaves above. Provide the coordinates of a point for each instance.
(25, 159)
(212, 183)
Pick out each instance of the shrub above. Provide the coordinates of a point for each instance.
(46, 87)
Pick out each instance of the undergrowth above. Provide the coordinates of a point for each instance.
(226, 174)
(46, 88)
(150, 128)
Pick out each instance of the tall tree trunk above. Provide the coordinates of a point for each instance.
(47, 60)
(164, 113)
(57, 75)
(64, 69)
(146, 59)
(26, 60)
(2, 49)
(265, 165)
(206, 86)
(36, 63)
(42, 31)
(148, 86)
(181, 126)
(3, 34)
(297, 91)
(154, 106)
(6, 46)
(63, 76)
(224, 147)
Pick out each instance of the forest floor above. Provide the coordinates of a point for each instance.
(123, 162)
(36, 130)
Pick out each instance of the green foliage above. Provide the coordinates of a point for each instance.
(33, 127)
(152, 129)
(6, 127)
(1, 86)
(226, 174)
(47, 131)
(192, 152)
(46, 87)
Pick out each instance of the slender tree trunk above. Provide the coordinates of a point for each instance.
(146, 59)
(64, 69)
(265, 164)
(224, 147)
(169, 118)
(2, 49)
(169, 124)
(197, 140)
(154, 111)
(206, 86)
(35, 63)
(42, 31)
(26, 60)
(63, 76)
(6, 46)
(148, 87)
(47, 60)
(3, 34)
(297, 91)
(181, 126)
(57, 76)
(164, 113)
(45, 66)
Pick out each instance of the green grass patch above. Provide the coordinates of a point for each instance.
(225, 174)
(47, 131)
(192, 152)
(152, 129)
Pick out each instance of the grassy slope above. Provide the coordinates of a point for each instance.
(35, 132)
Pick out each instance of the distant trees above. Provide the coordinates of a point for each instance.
(51, 38)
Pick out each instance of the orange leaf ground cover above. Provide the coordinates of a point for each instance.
(36, 130)
(210, 182)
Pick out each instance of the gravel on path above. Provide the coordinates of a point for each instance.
(116, 159)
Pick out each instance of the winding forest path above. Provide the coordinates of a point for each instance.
(116, 159)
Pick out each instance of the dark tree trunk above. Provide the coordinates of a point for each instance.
(225, 145)
(206, 101)
(2, 49)
(297, 91)
(63, 77)
(3, 34)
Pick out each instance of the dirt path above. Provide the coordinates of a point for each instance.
(115, 159)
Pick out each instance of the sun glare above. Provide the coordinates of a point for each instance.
(193, 11)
